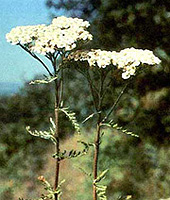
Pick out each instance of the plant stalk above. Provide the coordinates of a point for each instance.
(97, 139)
(37, 58)
(57, 146)
(96, 155)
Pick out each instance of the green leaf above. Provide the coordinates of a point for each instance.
(48, 135)
(52, 122)
(72, 118)
(72, 153)
(43, 81)
(119, 128)
(90, 116)
(101, 176)
(101, 191)
(86, 173)
(50, 190)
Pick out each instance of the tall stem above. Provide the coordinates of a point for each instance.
(57, 147)
(96, 155)
(97, 139)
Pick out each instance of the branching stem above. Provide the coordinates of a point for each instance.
(115, 103)
(37, 58)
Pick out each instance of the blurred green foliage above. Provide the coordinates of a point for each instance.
(21, 156)
(135, 168)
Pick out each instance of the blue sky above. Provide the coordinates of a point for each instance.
(15, 64)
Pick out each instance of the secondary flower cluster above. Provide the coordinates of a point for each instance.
(128, 59)
(62, 33)
(94, 57)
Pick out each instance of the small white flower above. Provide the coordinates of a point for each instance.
(125, 75)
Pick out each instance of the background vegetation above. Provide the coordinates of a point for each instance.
(139, 167)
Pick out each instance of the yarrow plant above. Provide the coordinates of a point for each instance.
(60, 41)
(129, 61)
(53, 41)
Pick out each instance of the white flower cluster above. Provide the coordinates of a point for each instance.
(101, 58)
(24, 34)
(62, 33)
(95, 57)
(128, 59)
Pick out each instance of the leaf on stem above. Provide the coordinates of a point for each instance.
(48, 135)
(101, 189)
(125, 197)
(90, 116)
(72, 118)
(84, 171)
(50, 190)
(43, 81)
(101, 176)
(52, 122)
(58, 191)
(119, 128)
(72, 153)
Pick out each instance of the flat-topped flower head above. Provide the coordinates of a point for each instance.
(24, 34)
(95, 57)
(126, 60)
(67, 22)
(62, 34)
(129, 59)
